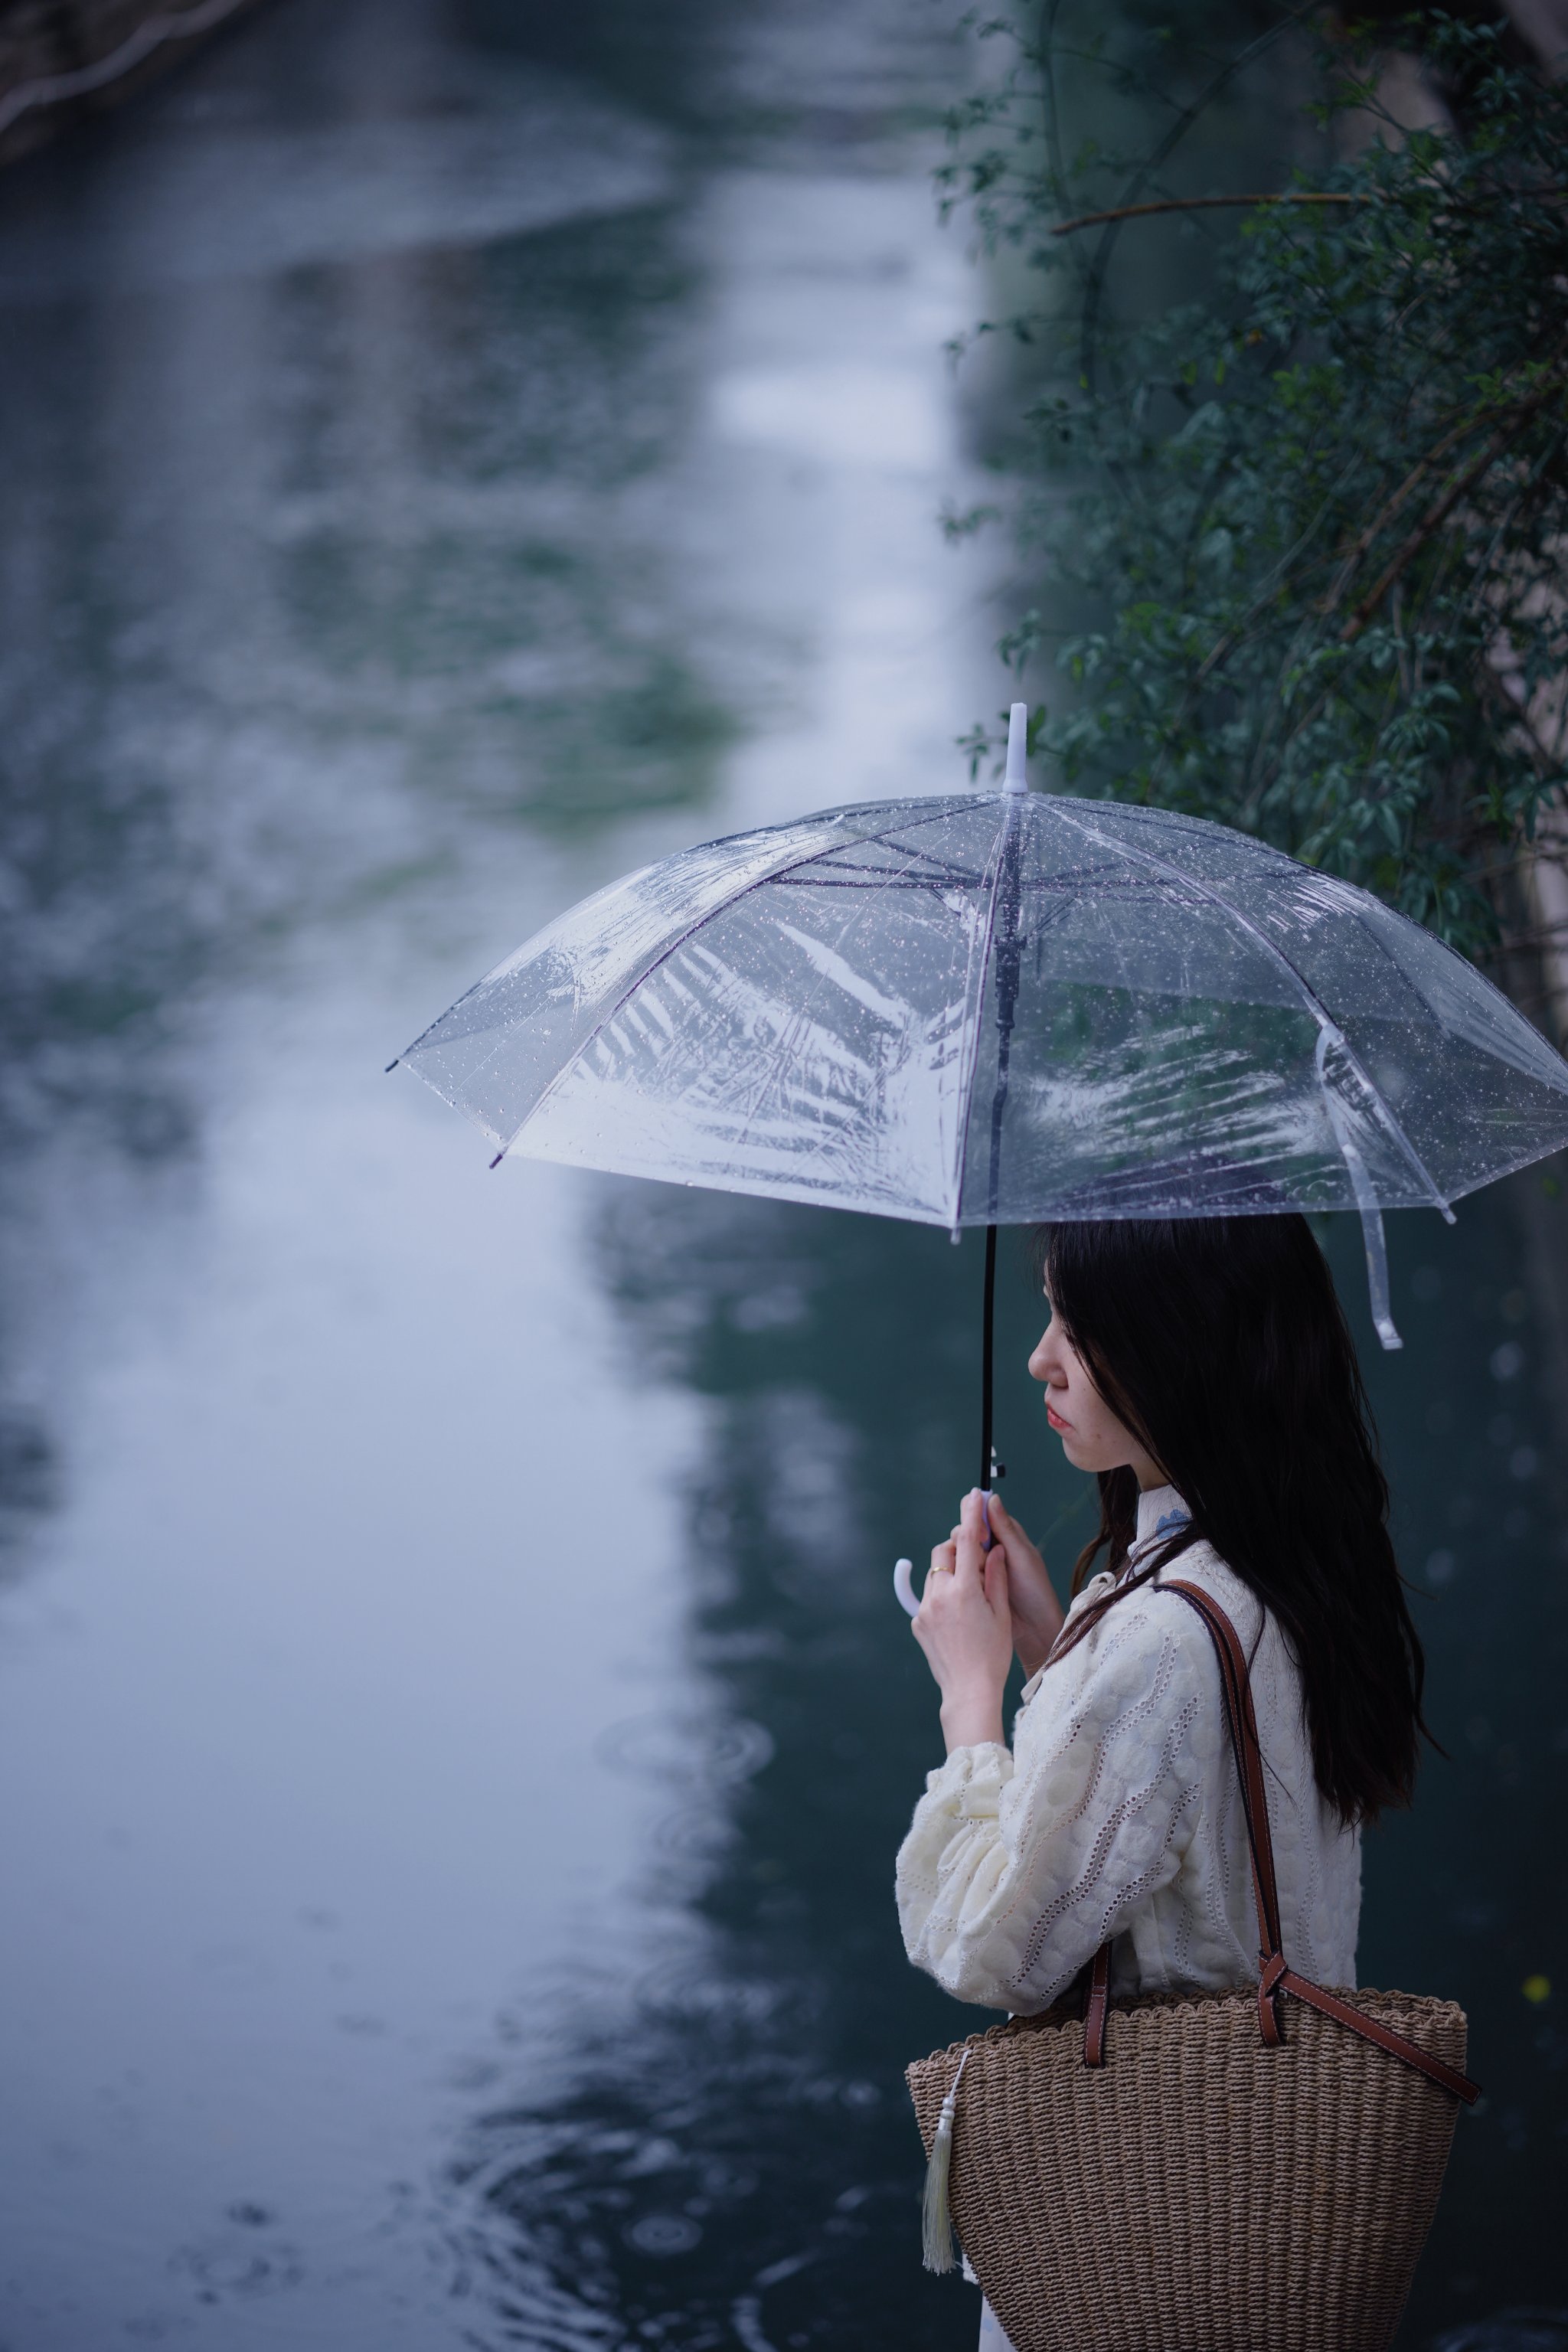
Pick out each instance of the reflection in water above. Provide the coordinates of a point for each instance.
(336, 516)
(733, 2157)
(1516, 2330)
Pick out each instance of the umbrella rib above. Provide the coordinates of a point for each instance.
(938, 869)
(1318, 1010)
(975, 996)
(791, 1032)
(869, 890)
(929, 876)
(757, 882)
(1381, 948)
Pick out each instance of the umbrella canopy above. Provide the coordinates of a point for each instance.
(1003, 1007)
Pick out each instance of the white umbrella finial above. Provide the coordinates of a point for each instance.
(1016, 779)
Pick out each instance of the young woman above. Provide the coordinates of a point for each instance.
(1202, 1369)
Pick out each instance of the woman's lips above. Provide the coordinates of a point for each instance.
(1054, 1417)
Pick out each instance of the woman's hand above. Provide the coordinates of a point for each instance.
(965, 1627)
(1036, 1612)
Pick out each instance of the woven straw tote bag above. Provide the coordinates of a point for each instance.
(1201, 2173)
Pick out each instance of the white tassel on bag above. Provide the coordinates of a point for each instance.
(936, 2218)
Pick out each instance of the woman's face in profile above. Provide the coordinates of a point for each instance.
(1092, 1438)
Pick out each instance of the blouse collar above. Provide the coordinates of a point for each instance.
(1161, 1512)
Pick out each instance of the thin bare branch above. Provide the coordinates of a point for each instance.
(1392, 505)
(1203, 204)
(1437, 514)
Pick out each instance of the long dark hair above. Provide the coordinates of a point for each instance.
(1220, 1343)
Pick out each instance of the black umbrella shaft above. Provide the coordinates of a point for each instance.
(1006, 950)
(988, 1358)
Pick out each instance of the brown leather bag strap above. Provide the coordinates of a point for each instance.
(1235, 1686)
(1097, 2007)
(1371, 2029)
(1235, 1683)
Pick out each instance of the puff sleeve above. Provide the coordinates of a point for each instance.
(1018, 1866)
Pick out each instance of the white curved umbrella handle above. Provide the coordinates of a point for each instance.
(904, 1570)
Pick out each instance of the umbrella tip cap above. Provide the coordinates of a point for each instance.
(1017, 779)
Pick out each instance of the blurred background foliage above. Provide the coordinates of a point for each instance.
(1296, 451)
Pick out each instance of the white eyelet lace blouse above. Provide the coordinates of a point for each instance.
(1118, 1812)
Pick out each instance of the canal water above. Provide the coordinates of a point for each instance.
(455, 1722)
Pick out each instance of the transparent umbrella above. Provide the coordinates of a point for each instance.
(995, 1008)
